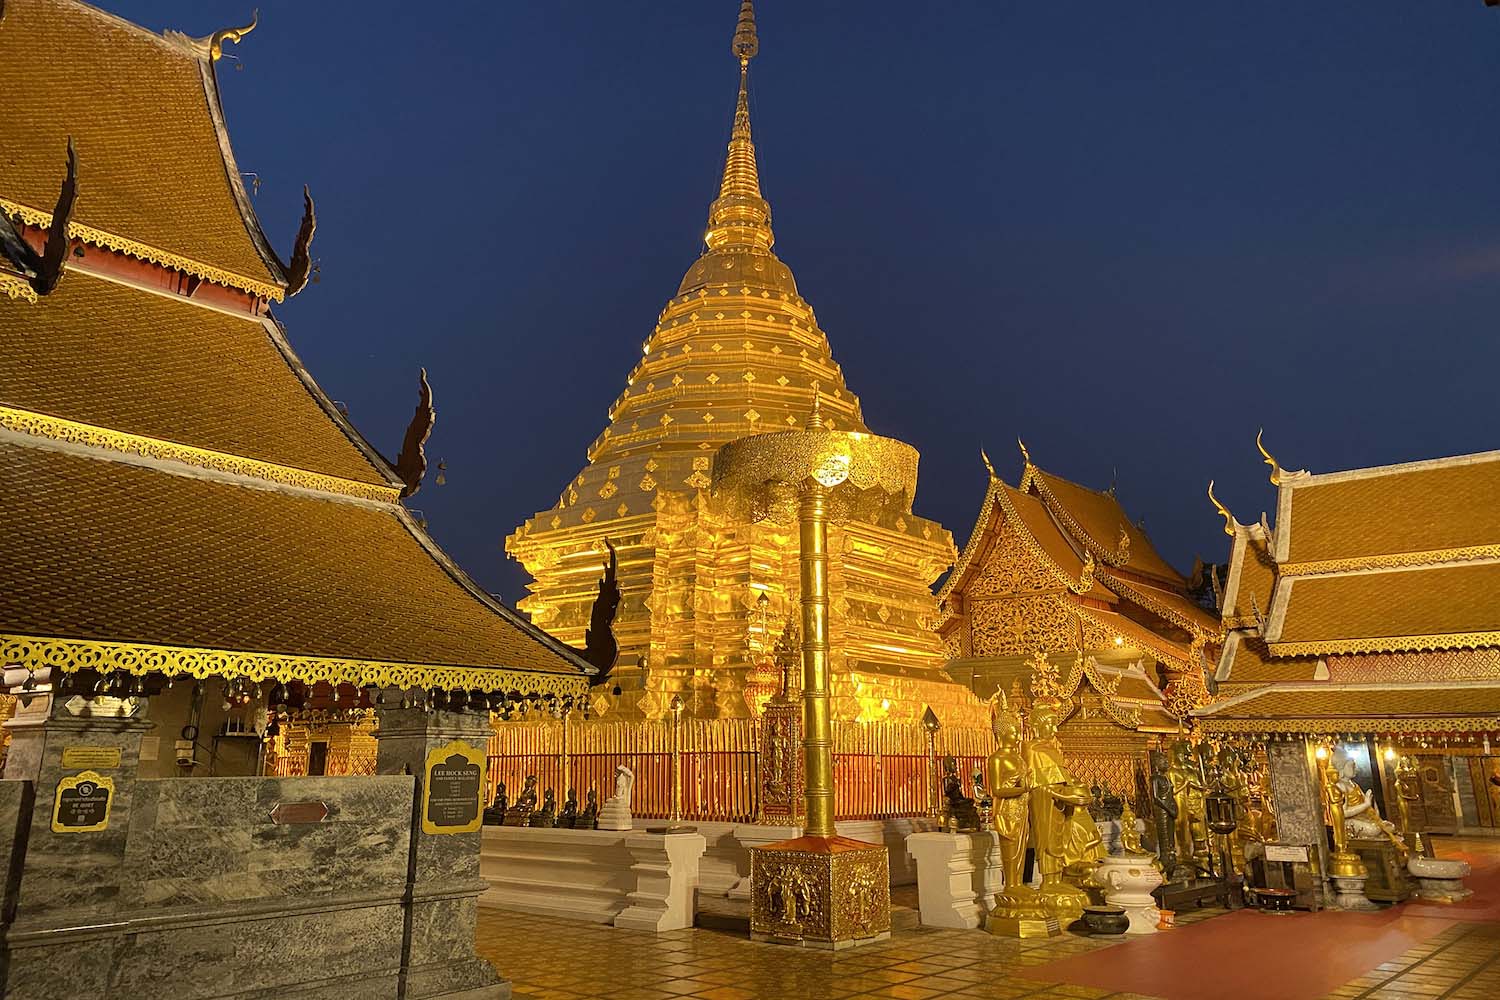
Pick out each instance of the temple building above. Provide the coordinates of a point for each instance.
(1052, 567)
(181, 501)
(1367, 613)
(736, 351)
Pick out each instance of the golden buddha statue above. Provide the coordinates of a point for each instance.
(1130, 837)
(1018, 908)
(1342, 862)
(1056, 799)
(1191, 822)
(1232, 777)
(1408, 791)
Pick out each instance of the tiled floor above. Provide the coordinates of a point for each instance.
(1458, 958)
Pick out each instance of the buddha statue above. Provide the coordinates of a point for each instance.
(1362, 819)
(1408, 793)
(1130, 837)
(520, 811)
(1056, 797)
(568, 818)
(1164, 808)
(1187, 797)
(546, 816)
(1007, 778)
(1237, 785)
(1342, 862)
(588, 816)
(961, 813)
(494, 813)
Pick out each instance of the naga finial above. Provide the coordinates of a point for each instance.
(411, 463)
(1025, 455)
(301, 266)
(1269, 460)
(1229, 521)
(986, 459)
(1085, 576)
(745, 44)
(218, 38)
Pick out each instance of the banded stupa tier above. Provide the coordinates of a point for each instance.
(736, 351)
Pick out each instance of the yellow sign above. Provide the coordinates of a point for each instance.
(90, 757)
(82, 803)
(453, 789)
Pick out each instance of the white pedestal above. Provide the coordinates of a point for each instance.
(666, 875)
(1128, 880)
(1349, 893)
(954, 872)
(757, 835)
(1439, 881)
(614, 815)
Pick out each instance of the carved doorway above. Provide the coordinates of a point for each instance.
(1437, 794)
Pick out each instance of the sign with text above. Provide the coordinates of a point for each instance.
(82, 803)
(1286, 852)
(453, 789)
(90, 757)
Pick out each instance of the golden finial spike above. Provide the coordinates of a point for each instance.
(218, 38)
(1269, 460)
(1025, 455)
(990, 468)
(745, 44)
(1229, 522)
(815, 419)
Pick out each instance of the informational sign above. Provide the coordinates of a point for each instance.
(453, 792)
(82, 803)
(74, 757)
(297, 813)
(1286, 852)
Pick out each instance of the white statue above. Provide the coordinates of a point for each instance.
(1362, 819)
(615, 813)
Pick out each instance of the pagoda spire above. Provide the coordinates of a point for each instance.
(740, 216)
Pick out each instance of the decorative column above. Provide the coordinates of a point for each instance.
(446, 751)
(819, 889)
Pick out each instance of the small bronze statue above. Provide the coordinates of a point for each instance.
(1165, 808)
(588, 818)
(962, 815)
(546, 816)
(568, 818)
(519, 813)
(494, 813)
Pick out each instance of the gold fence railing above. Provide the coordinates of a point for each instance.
(881, 770)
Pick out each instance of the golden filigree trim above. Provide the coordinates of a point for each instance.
(1103, 635)
(70, 655)
(110, 241)
(1353, 724)
(1393, 560)
(1388, 644)
(17, 287)
(72, 432)
(1039, 553)
(1144, 599)
(972, 548)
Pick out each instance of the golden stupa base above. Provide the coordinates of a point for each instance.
(820, 892)
(1346, 864)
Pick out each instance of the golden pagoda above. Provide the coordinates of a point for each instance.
(736, 351)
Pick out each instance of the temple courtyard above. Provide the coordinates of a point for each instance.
(1415, 951)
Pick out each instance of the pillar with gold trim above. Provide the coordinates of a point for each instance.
(819, 889)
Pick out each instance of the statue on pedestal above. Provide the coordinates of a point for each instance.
(1362, 817)
(520, 812)
(589, 815)
(1056, 799)
(1164, 810)
(962, 815)
(1018, 908)
(546, 816)
(568, 818)
(616, 812)
(494, 813)
(1187, 795)
(1345, 868)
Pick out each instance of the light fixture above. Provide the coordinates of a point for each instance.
(1119, 640)
(1390, 753)
(1322, 753)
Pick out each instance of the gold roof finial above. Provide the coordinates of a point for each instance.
(218, 38)
(1229, 521)
(1269, 460)
(815, 419)
(745, 44)
(1025, 455)
(990, 468)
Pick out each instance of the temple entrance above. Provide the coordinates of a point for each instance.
(1438, 812)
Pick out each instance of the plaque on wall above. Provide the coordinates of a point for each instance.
(453, 792)
(90, 757)
(82, 803)
(1287, 852)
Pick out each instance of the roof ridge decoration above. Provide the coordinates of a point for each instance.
(1278, 475)
(40, 273)
(1231, 526)
(1139, 596)
(72, 432)
(1035, 548)
(1128, 716)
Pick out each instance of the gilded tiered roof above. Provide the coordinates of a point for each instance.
(158, 177)
(1386, 576)
(178, 495)
(736, 351)
(1037, 575)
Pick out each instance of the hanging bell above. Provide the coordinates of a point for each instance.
(458, 700)
(442, 473)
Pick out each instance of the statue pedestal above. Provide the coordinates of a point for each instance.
(1439, 881)
(820, 892)
(957, 876)
(1349, 892)
(1129, 880)
(615, 815)
(666, 873)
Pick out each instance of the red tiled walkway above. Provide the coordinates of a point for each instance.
(1250, 955)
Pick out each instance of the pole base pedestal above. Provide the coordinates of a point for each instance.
(820, 892)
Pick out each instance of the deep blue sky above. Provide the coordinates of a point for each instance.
(1130, 232)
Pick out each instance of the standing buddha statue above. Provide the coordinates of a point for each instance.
(1342, 862)
(1187, 795)
(1018, 908)
(1408, 792)
(1055, 799)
